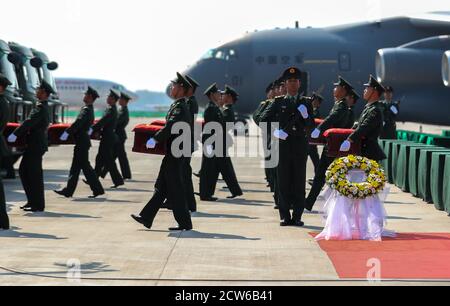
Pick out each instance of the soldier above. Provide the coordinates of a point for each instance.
(4, 150)
(192, 105)
(122, 123)
(294, 115)
(270, 90)
(370, 124)
(267, 139)
(79, 130)
(107, 127)
(35, 129)
(391, 111)
(123, 119)
(316, 101)
(338, 118)
(170, 183)
(225, 163)
(209, 169)
(352, 99)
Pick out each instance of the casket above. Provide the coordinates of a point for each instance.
(142, 134)
(20, 142)
(54, 134)
(163, 122)
(321, 141)
(335, 138)
(158, 123)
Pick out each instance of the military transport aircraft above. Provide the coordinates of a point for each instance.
(404, 52)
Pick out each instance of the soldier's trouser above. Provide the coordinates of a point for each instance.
(292, 177)
(315, 157)
(189, 185)
(120, 154)
(8, 165)
(276, 192)
(319, 179)
(123, 160)
(208, 177)
(4, 220)
(80, 163)
(269, 175)
(32, 177)
(169, 186)
(105, 158)
(225, 167)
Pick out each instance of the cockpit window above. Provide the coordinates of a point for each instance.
(221, 54)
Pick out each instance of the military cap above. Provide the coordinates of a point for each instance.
(375, 84)
(270, 87)
(125, 96)
(194, 84)
(389, 89)
(182, 81)
(317, 96)
(47, 87)
(92, 92)
(211, 90)
(343, 83)
(4, 81)
(114, 93)
(355, 95)
(292, 73)
(231, 91)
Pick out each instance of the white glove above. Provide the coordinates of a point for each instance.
(209, 150)
(151, 144)
(280, 134)
(12, 138)
(90, 132)
(304, 111)
(64, 136)
(394, 110)
(315, 134)
(346, 145)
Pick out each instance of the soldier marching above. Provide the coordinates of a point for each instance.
(288, 115)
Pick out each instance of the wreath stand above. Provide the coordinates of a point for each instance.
(353, 218)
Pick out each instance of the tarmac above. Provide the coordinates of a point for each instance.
(235, 242)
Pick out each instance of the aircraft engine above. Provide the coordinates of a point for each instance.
(446, 68)
(418, 62)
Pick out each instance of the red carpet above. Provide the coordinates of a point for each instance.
(409, 256)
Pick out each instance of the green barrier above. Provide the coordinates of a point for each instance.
(389, 164)
(429, 139)
(437, 178)
(424, 173)
(446, 189)
(402, 175)
(396, 147)
(413, 170)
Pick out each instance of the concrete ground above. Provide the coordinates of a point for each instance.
(235, 242)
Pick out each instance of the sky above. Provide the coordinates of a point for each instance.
(142, 43)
